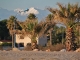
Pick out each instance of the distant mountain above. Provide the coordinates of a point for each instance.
(4, 13)
(40, 14)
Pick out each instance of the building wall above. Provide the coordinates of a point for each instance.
(42, 40)
(25, 40)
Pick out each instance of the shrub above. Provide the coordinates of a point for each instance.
(6, 44)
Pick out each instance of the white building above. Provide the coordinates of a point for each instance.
(26, 39)
(22, 39)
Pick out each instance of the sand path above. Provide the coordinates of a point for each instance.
(38, 55)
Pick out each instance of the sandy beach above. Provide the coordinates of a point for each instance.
(38, 55)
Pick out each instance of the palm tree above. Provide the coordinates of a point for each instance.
(31, 16)
(49, 19)
(66, 15)
(45, 27)
(31, 22)
(10, 26)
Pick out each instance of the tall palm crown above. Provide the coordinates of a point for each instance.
(10, 24)
(66, 13)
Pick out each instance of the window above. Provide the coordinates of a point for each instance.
(21, 44)
(21, 37)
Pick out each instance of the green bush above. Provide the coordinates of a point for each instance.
(6, 44)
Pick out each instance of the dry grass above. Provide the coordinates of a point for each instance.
(28, 48)
(57, 47)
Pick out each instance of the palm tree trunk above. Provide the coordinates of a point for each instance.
(50, 38)
(70, 38)
(12, 40)
(78, 31)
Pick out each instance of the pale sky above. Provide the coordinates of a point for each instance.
(25, 4)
